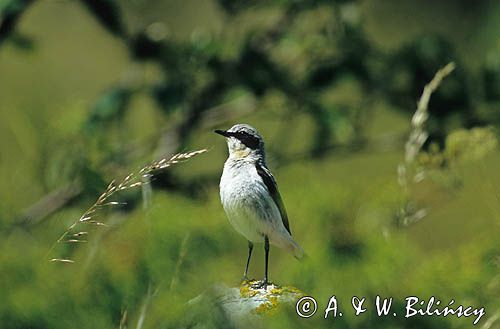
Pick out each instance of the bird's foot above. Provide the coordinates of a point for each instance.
(262, 284)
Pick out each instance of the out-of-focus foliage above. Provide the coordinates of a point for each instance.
(470, 145)
(106, 86)
(108, 14)
(461, 146)
(10, 10)
(109, 108)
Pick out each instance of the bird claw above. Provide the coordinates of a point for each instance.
(260, 284)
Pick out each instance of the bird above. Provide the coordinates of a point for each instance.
(250, 196)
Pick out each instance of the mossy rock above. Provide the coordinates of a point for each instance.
(267, 300)
(246, 305)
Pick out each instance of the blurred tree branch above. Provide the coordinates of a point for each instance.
(50, 203)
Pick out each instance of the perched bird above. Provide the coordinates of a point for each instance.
(250, 196)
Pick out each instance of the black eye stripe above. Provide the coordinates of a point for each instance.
(247, 139)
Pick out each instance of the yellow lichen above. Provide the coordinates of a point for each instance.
(271, 297)
(267, 307)
(277, 291)
(246, 289)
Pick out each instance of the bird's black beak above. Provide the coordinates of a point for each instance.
(222, 132)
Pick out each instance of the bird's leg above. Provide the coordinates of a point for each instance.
(263, 283)
(250, 248)
(266, 248)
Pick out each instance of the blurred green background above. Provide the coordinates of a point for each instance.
(93, 90)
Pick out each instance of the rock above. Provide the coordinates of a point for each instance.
(245, 306)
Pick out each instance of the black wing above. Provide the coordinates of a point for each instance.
(268, 179)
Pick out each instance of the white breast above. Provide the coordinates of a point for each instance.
(247, 203)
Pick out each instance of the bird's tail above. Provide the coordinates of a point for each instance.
(299, 254)
(289, 244)
(297, 250)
